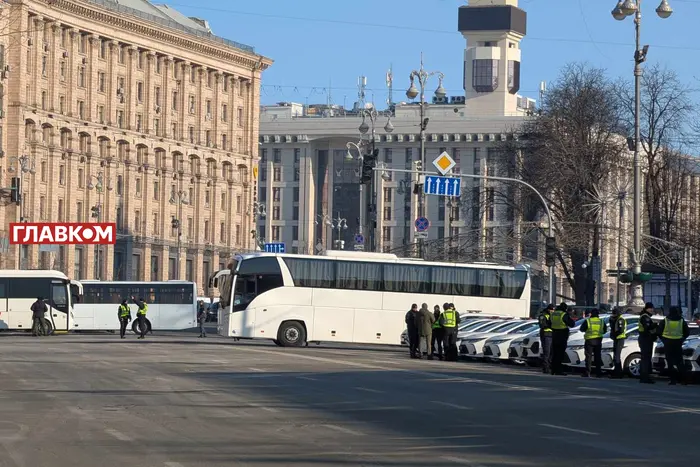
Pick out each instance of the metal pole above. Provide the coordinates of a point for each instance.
(601, 254)
(619, 249)
(689, 286)
(421, 196)
(636, 290)
(20, 197)
(179, 234)
(548, 212)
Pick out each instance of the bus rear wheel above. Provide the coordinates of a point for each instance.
(291, 334)
(137, 329)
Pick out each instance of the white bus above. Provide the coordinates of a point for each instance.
(172, 305)
(20, 288)
(355, 297)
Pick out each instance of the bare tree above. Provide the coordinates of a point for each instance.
(571, 145)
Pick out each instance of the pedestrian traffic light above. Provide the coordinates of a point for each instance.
(369, 161)
(16, 192)
(550, 251)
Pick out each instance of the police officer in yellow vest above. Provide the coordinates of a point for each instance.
(124, 314)
(545, 322)
(674, 331)
(449, 319)
(141, 316)
(618, 334)
(593, 328)
(561, 322)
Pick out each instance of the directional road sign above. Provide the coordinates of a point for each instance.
(274, 248)
(359, 239)
(422, 224)
(444, 163)
(442, 186)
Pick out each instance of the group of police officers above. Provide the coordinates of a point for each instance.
(433, 331)
(554, 335)
(124, 314)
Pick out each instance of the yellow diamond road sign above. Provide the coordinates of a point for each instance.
(444, 163)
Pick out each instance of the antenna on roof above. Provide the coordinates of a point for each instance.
(361, 87)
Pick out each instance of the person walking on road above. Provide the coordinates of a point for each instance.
(438, 334)
(412, 331)
(449, 320)
(561, 322)
(39, 309)
(594, 329)
(141, 316)
(647, 337)
(425, 329)
(674, 331)
(545, 322)
(202, 318)
(618, 334)
(124, 315)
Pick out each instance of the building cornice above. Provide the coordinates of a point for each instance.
(201, 45)
(393, 138)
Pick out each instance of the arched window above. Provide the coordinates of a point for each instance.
(103, 148)
(29, 127)
(142, 155)
(122, 150)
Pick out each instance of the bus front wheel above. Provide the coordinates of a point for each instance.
(137, 329)
(291, 334)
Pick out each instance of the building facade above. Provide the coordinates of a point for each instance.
(130, 113)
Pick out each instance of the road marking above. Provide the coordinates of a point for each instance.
(128, 370)
(369, 390)
(388, 362)
(586, 388)
(257, 369)
(423, 438)
(307, 378)
(573, 430)
(374, 409)
(460, 461)
(173, 464)
(454, 406)
(117, 434)
(263, 407)
(343, 430)
(670, 408)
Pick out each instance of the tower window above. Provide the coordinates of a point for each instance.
(485, 75)
(513, 76)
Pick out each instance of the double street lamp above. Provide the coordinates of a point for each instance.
(22, 165)
(258, 213)
(180, 198)
(339, 224)
(622, 10)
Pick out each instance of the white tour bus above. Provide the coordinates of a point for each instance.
(355, 297)
(172, 305)
(20, 288)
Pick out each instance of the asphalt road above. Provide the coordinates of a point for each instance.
(180, 401)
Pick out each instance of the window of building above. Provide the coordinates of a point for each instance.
(120, 119)
(156, 94)
(62, 104)
(43, 100)
(103, 49)
(207, 135)
(206, 231)
(277, 174)
(139, 122)
(295, 213)
(139, 59)
(222, 202)
(238, 204)
(224, 142)
(193, 105)
(239, 118)
(387, 213)
(137, 221)
(387, 195)
(81, 76)
(81, 178)
(61, 174)
(276, 194)
(79, 211)
(82, 44)
(490, 204)
(44, 62)
(239, 144)
(276, 233)
(155, 223)
(159, 64)
(139, 92)
(43, 171)
(238, 234)
(224, 112)
(156, 191)
(295, 194)
(122, 54)
(176, 98)
(101, 113)
(275, 213)
(485, 75)
(42, 208)
(513, 76)
(120, 184)
(81, 110)
(156, 126)
(101, 81)
(222, 232)
(386, 234)
(207, 198)
(173, 129)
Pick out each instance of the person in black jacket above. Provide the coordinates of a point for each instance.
(674, 331)
(618, 334)
(594, 329)
(647, 337)
(39, 324)
(545, 322)
(438, 334)
(561, 322)
(412, 327)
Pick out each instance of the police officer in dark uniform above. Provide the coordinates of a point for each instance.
(449, 320)
(124, 314)
(141, 316)
(618, 334)
(39, 323)
(545, 321)
(674, 331)
(438, 334)
(561, 322)
(594, 329)
(647, 337)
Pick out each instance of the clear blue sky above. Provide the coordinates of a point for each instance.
(322, 43)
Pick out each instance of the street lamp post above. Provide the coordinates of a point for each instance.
(180, 198)
(620, 12)
(339, 224)
(422, 76)
(361, 147)
(96, 213)
(24, 164)
(621, 197)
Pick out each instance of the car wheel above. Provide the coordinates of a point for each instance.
(633, 365)
(49, 328)
(291, 334)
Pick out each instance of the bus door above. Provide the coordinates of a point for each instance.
(60, 306)
(4, 317)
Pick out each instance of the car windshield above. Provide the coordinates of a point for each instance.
(473, 325)
(524, 328)
(505, 327)
(493, 327)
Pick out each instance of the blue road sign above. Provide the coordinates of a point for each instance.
(422, 224)
(442, 186)
(274, 248)
(359, 239)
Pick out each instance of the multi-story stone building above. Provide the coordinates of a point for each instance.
(307, 180)
(131, 113)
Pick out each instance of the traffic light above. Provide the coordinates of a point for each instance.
(175, 223)
(16, 193)
(550, 251)
(369, 161)
(95, 212)
(628, 277)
